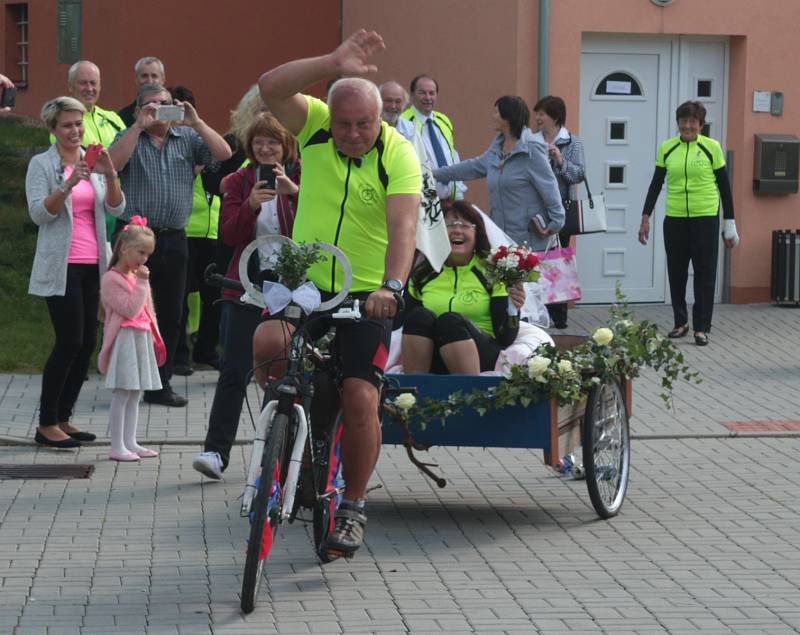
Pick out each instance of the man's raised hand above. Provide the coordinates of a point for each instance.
(351, 56)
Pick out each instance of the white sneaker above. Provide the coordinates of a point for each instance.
(209, 464)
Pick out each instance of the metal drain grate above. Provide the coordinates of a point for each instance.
(41, 470)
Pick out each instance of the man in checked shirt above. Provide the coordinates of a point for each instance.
(156, 162)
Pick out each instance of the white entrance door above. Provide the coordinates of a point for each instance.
(630, 88)
(624, 98)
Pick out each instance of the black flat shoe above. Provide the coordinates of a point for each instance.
(701, 339)
(678, 331)
(64, 443)
(82, 436)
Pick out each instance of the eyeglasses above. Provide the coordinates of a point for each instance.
(460, 223)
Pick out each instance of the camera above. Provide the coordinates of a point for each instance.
(169, 113)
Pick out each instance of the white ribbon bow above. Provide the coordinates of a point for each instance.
(278, 296)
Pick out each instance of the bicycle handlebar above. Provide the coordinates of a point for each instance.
(254, 294)
(215, 279)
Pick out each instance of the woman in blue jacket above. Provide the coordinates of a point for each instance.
(523, 191)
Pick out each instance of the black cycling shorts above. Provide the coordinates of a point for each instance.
(362, 347)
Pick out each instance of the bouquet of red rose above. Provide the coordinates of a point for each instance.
(510, 266)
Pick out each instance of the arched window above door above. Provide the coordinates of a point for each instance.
(619, 84)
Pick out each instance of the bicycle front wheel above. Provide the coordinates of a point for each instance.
(266, 510)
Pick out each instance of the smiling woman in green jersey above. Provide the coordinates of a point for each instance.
(694, 168)
(456, 320)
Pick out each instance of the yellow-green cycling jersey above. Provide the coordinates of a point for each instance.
(464, 290)
(204, 220)
(99, 126)
(342, 200)
(691, 183)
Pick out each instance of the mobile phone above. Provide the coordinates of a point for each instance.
(9, 97)
(264, 172)
(92, 154)
(169, 113)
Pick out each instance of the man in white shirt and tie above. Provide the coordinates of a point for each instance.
(436, 131)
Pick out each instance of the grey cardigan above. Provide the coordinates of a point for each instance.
(520, 188)
(49, 272)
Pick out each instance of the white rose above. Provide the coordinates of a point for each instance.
(509, 262)
(603, 336)
(595, 380)
(564, 366)
(537, 365)
(405, 401)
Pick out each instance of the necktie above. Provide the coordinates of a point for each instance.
(437, 147)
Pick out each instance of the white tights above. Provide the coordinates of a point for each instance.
(123, 418)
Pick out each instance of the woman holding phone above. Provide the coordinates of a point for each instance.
(68, 200)
(260, 199)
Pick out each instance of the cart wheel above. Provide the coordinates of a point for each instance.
(606, 448)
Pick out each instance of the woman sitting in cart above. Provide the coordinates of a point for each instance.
(456, 320)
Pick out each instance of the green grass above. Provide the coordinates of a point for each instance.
(27, 335)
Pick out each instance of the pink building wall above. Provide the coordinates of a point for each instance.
(480, 50)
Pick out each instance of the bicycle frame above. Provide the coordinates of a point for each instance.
(288, 389)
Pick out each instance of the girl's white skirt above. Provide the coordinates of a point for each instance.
(133, 363)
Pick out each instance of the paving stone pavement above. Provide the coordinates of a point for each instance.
(708, 540)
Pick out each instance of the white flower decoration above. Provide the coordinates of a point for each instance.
(405, 401)
(565, 366)
(603, 336)
(538, 365)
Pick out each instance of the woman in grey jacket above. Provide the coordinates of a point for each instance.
(68, 200)
(523, 192)
(569, 165)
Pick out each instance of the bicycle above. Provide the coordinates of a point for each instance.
(295, 463)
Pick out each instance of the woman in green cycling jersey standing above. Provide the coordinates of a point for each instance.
(694, 167)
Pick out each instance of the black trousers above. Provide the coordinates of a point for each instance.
(202, 252)
(74, 318)
(448, 328)
(240, 322)
(694, 240)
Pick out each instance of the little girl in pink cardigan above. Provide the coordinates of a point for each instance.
(132, 346)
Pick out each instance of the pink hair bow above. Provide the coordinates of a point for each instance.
(136, 220)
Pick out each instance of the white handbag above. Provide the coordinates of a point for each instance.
(585, 216)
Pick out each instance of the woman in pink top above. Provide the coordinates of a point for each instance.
(68, 200)
(132, 346)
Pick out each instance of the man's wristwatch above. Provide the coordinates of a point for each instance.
(393, 284)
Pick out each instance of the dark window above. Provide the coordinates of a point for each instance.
(617, 132)
(616, 174)
(703, 88)
(16, 54)
(69, 31)
(706, 131)
(618, 84)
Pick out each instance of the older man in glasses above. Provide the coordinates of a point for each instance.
(151, 158)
